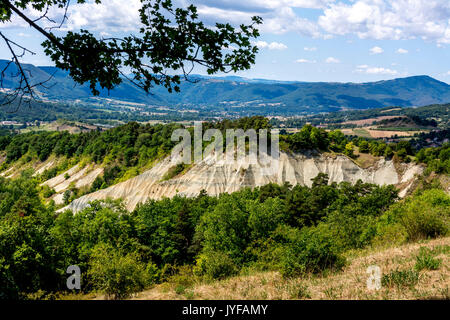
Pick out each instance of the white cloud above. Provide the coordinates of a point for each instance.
(376, 50)
(311, 49)
(261, 5)
(285, 20)
(271, 46)
(111, 16)
(388, 19)
(305, 61)
(332, 60)
(376, 19)
(402, 51)
(375, 70)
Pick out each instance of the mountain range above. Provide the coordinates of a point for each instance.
(236, 92)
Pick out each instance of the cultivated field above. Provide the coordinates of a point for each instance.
(369, 121)
(370, 132)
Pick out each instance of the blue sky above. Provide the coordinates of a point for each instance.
(304, 40)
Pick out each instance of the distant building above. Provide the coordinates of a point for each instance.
(9, 123)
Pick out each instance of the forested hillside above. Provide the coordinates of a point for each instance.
(293, 230)
(136, 146)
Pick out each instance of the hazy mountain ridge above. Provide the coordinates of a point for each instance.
(233, 91)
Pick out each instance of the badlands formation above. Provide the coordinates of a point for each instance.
(217, 177)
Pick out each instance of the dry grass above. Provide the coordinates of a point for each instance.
(365, 160)
(348, 284)
(369, 121)
(370, 132)
(389, 134)
(390, 110)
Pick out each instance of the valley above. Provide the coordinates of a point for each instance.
(224, 150)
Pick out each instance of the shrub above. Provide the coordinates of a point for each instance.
(47, 192)
(183, 276)
(422, 216)
(397, 278)
(117, 275)
(310, 251)
(215, 265)
(426, 260)
(174, 171)
(180, 289)
(299, 291)
(350, 230)
(389, 234)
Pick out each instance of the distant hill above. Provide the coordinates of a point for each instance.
(267, 96)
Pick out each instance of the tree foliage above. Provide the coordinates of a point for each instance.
(170, 39)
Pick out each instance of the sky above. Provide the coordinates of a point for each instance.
(301, 40)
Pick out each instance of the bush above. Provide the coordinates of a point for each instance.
(426, 260)
(117, 275)
(397, 278)
(174, 171)
(311, 250)
(422, 216)
(183, 276)
(389, 234)
(350, 231)
(215, 265)
(299, 291)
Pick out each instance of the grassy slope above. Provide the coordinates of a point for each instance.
(348, 284)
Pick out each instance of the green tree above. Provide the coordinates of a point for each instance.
(116, 274)
(169, 38)
(388, 152)
(364, 146)
(348, 151)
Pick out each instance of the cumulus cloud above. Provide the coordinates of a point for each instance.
(310, 49)
(111, 15)
(376, 50)
(375, 70)
(402, 51)
(388, 19)
(285, 20)
(262, 5)
(332, 60)
(271, 46)
(375, 19)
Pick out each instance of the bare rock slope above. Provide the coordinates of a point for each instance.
(218, 177)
